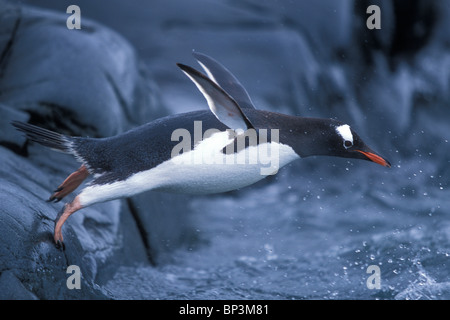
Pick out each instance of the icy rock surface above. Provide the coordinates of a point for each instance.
(86, 83)
(310, 232)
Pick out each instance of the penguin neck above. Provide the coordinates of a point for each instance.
(307, 136)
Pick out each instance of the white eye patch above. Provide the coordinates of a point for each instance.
(346, 134)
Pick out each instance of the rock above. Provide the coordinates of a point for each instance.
(12, 288)
(80, 82)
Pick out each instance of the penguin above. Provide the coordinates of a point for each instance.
(230, 146)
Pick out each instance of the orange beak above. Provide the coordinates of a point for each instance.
(376, 158)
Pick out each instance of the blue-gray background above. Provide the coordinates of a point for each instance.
(308, 233)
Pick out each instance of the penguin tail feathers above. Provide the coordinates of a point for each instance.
(46, 137)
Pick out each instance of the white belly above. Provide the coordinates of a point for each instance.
(203, 170)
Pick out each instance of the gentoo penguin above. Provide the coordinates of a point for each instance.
(228, 147)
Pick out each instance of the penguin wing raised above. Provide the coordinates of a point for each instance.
(225, 79)
(224, 107)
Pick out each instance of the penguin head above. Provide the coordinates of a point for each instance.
(329, 137)
(344, 142)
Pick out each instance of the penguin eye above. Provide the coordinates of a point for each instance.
(348, 144)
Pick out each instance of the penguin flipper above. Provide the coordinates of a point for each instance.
(225, 79)
(224, 107)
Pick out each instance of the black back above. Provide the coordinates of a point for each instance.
(142, 148)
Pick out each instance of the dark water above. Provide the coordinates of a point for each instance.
(312, 231)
